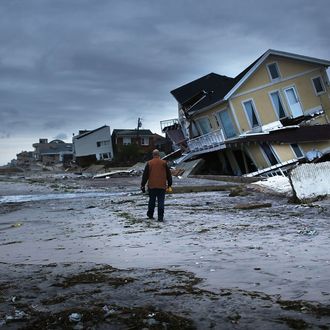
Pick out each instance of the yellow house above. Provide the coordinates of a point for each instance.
(272, 115)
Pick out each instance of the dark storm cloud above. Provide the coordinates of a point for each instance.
(72, 64)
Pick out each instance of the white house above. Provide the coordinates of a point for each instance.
(91, 145)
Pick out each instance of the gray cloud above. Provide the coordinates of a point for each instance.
(67, 65)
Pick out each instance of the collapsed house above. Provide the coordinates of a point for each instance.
(271, 116)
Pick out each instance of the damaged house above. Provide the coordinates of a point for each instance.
(90, 146)
(271, 116)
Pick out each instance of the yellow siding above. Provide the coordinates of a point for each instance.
(266, 113)
(287, 68)
(257, 156)
(284, 152)
(321, 146)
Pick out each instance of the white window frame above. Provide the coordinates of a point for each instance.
(322, 84)
(127, 140)
(220, 123)
(282, 102)
(101, 155)
(273, 151)
(256, 113)
(102, 143)
(284, 89)
(145, 141)
(200, 127)
(302, 152)
(278, 71)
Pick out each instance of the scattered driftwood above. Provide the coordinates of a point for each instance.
(115, 174)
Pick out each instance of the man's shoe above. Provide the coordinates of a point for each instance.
(161, 219)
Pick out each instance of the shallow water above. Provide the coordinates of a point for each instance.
(56, 196)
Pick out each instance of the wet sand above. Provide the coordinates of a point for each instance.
(249, 260)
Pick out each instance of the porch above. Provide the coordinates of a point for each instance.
(207, 143)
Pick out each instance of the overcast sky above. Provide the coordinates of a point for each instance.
(67, 65)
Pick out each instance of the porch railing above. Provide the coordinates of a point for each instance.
(168, 122)
(207, 142)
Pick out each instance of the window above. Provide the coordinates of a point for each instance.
(293, 101)
(102, 143)
(105, 155)
(127, 140)
(269, 153)
(204, 125)
(227, 123)
(144, 141)
(277, 104)
(297, 151)
(318, 85)
(273, 71)
(251, 114)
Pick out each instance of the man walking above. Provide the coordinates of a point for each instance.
(156, 173)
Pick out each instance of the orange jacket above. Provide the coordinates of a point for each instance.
(156, 173)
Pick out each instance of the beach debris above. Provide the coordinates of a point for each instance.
(251, 206)
(75, 317)
(16, 225)
(116, 174)
(18, 315)
(108, 311)
(151, 322)
(308, 232)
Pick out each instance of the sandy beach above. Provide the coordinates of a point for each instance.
(80, 253)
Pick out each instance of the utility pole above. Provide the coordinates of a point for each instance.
(139, 124)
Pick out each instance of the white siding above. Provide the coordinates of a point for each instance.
(87, 145)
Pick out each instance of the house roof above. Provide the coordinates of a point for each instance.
(90, 132)
(203, 92)
(214, 88)
(131, 132)
(245, 74)
(293, 134)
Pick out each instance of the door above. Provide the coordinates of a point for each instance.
(227, 124)
(204, 125)
(293, 101)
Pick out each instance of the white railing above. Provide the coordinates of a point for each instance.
(212, 140)
(168, 122)
(278, 169)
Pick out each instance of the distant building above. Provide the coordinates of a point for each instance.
(24, 159)
(143, 138)
(53, 152)
(90, 146)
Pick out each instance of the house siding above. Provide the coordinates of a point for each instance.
(87, 145)
(264, 108)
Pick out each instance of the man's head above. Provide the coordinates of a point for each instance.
(155, 153)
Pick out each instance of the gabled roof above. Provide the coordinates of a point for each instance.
(90, 132)
(214, 88)
(131, 132)
(244, 75)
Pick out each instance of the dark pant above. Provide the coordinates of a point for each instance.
(160, 195)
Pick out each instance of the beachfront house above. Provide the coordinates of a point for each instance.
(53, 152)
(272, 115)
(90, 146)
